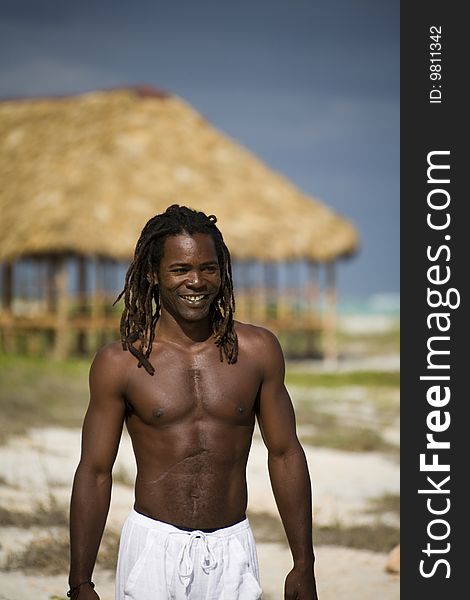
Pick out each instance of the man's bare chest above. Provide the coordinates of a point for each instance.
(188, 388)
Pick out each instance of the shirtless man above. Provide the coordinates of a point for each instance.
(190, 412)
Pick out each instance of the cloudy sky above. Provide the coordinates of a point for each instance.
(310, 86)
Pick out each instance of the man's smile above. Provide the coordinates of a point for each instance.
(194, 299)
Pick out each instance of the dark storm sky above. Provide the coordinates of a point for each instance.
(311, 87)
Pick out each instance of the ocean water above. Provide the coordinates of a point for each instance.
(386, 304)
(376, 313)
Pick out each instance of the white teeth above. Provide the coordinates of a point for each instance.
(193, 298)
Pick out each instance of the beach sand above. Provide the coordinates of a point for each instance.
(41, 464)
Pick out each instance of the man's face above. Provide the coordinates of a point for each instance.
(188, 276)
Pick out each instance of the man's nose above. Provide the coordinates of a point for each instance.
(195, 279)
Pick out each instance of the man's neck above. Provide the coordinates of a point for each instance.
(184, 333)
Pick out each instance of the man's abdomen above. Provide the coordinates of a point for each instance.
(199, 482)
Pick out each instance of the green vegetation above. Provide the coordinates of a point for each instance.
(50, 554)
(37, 392)
(377, 537)
(387, 503)
(43, 515)
(346, 410)
(309, 344)
(349, 439)
(370, 344)
(350, 411)
(342, 379)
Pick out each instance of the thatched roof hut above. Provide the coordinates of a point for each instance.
(84, 173)
(81, 176)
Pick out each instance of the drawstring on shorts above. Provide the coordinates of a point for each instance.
(185, 560)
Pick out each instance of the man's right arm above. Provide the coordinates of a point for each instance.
(91, 492)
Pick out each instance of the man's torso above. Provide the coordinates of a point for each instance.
(191, 426)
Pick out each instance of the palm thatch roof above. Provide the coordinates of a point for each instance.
(83, 174)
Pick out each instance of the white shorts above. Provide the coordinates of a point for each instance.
(158, 561)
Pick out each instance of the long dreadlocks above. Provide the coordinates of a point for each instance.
(141, 294)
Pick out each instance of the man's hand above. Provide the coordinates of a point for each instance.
(300, 584)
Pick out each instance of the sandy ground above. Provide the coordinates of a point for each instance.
(41, 464)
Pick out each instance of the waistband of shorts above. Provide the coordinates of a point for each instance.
(162, 527)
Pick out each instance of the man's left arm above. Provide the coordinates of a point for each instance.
(288, 470)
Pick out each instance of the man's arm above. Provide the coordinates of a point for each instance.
(288, 470)
(91, 492)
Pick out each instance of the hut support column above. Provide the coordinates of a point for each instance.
(7, 287)
(312, 323)
(81, 287)
(312, 295)
(260, 295)
(61, 330)
(97, 308)
(285, 299)
(329, 315)
(248, 291)
(8, 341)
(273, 299)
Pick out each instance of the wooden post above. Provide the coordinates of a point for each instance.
(81, 299)
(284, 305)
(100, 287)
(60, 349)
(329, 314)
(271, 293)
(260, 295)
(97, 306)
(7, 287)
(8, 334)
(248, 291)
(50, 299)
(312, 293)
(313, 309)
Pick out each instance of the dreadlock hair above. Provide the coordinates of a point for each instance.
(141, 293)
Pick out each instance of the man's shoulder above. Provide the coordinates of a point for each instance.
(111, 356)
(255, 336)
(262, 348)
(111, 351)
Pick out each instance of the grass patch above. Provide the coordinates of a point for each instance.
(329, 431)
(267, 528)
(372, 344)
(31, 365)
(36, 392)
(387, 503)
(43, 515)
(377, 538)
(319, 419)
(349, 439)
(358, 378)
(47, 555)
(347, 411)
(50, 554)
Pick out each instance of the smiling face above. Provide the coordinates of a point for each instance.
(188, 276)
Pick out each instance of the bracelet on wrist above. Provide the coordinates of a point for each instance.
(75, 588)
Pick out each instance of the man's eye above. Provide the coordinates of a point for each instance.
(178, 270)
